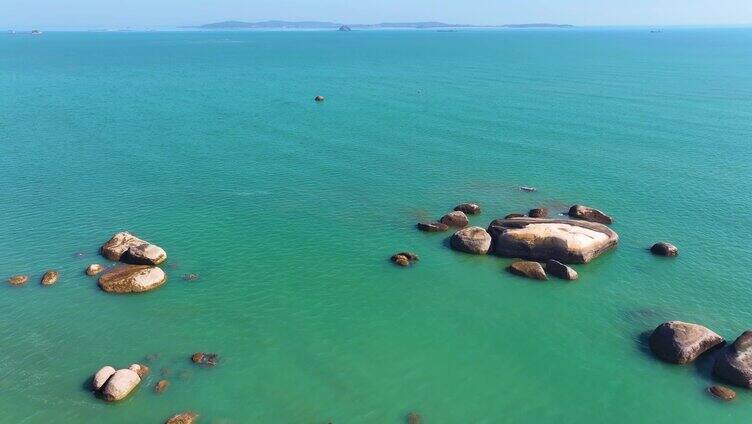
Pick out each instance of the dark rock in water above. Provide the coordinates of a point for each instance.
(319, 98)
(432, 227)
(18, 280)
(528, 189)
(165, 371)
(538, 239)
(473, 240)
(191, 277)
(538, 213)
(682, 342)
(468, 208)
(151, 357)
(127, 248)
(50, 277)
(183, 418)
(514, 215)
(412, 257)
(161, 386)
(721, 392)
(404, 258)
(528, 269)
(558, 269)
(344, 28)
(413, 418)
(664, 249)
(590, 214)
(455, 219)
(205, 359)
(734, 364)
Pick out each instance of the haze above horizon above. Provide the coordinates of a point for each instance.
(471, 12)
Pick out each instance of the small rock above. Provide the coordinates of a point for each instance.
(400, 260)
(120, 385)
(161, 386)
(473, 240)
(319, 98)
(132, 279)
(94, 269)
(528, 189)
(165, 371)
(514, 215)
(538, 213)
(140, 369)
(50, 277)
(664, 249)
(590, 214)
(183, 418)
(432, 227)
(682, 342)
(101, 377)
(413, 418)
(528, 269)
(721, 392)
(18, 280)
(734, 364)
(191, 277)
(455, 219)
(558, 269)
(468, 208)
(205, 359)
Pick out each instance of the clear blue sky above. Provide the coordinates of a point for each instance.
(32, 13)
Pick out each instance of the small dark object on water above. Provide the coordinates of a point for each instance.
(413, 418)
(161, 386)
(721, 392)
(514, 215)
(319, 98)
(165, 371)
(432, 227)
(468, 208)
(664, 249)
(191, 277)
(558, 269)
(538, 213)
(344, 28)
(205, 359)
(404, 258)
(528, 189)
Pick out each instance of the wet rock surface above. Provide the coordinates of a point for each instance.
(682, 342)
(734, 364)
(127, 248)
(132, 279)
(528, 269)
(473, 240)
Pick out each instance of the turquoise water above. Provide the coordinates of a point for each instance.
(209, 144)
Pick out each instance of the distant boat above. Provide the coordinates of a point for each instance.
(36, 32)
(655, 31)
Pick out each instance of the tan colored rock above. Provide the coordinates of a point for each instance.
(558, 269)
(432, 227)
(94, 269)
(205, 359)
(132, 279)
(125, 247)
(161, 386)
(18, 280)
(734, 364)
(721, 392)
(120, 385)
(50, 277)
(682, 342)
(183, 418)
(101, 377)
(590, 214)
(538, 213)
(528, 269)
(473, 240)
(140, 369)
(455, 219)
(468, 208)
(566, 240)
(413, 418)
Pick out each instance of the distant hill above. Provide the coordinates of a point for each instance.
(335, 25)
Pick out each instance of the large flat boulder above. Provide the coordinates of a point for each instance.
(538, 239)
(127, 248)
(734, 364)
(120, 385)
(682, 342)
(132, 279)
(473, 240)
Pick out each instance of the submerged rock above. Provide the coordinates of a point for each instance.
(455, 219)
(528, 189)
(413, 418)
(191, 277)
(140, 369)
(473, 240)
(101, 377)
(682, 342)
(94, 269)
(721, 392)
(404, 258)
(566, 240)
(120, 385)
(468, 208)
(514, 215)
(132, 279)
(664, 249)
(558, 269)
(183, 418)
(18, 280)
(319, 98)
(538, 213)
(205, 359)
(161, 386)
(432, 227)
(734, 364)
(125, 247)
(590, 214)
(528, 269)
(50, 277)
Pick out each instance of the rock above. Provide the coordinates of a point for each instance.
(528, 269)
(528, 189)
(18, 280)
(413, 418)
(682, 342)
(161, 386)
(404, 258)
(721, 392)
(664, 249)
(120, 385)
(514, 215)
(101, 377)
(140, 369)
(50, 277)
(468, 208)
(319, 98)
(566, 240)
(538, 213)
(132, 279)
(432, 227)
(734, 364)
(191, 277)
(590, 214)
(473, 240)
(94, 269)
(165, 371)
(183, 418)
(344, 28)
(125, 247)
(455, 219)
(205, 359)
(558, 269)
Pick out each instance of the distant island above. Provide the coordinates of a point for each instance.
(345, 27)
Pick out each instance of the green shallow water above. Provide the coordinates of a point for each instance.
(210, 145)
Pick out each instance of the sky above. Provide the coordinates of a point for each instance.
(123, 13)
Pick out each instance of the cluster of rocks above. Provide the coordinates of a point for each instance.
(680, 342)
(138, 271)
(456, 218)
(205, 359)
(183, 418)
(48, 279)
(115, 385)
